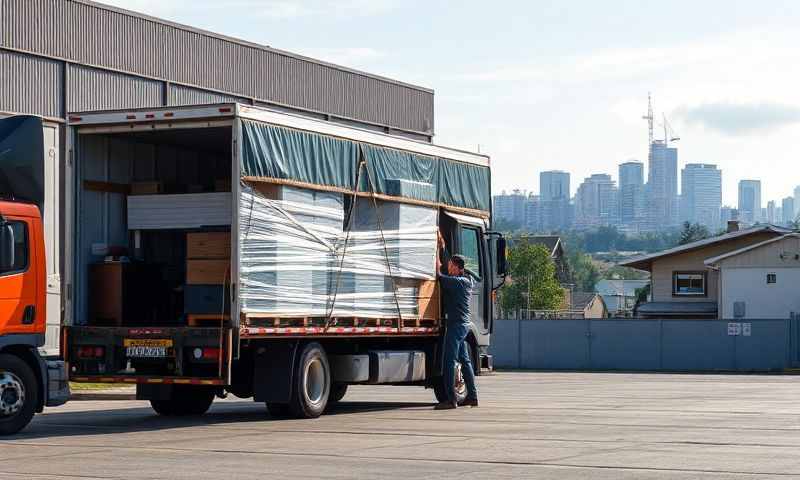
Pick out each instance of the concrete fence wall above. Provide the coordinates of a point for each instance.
(647, 345)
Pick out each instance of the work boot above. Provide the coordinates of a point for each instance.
(445, 406)
(470, 402)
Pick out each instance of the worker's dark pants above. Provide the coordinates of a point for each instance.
(457, 350)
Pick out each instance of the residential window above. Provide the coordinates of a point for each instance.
(689, 284)
(772, 278)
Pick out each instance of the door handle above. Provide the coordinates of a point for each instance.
(29, 316)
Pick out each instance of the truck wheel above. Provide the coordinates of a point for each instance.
(312, 382)
(338, 391)
(460, 388)
(19, 394)
(185, 401)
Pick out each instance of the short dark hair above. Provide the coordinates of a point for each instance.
(458, 260)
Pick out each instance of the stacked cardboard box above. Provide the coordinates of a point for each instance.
(207, 274)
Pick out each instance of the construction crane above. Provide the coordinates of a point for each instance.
(649, 118)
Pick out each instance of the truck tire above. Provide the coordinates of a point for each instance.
(460, 387)
(185, 401)
(311, 386)
(338, 391)
(19, 394)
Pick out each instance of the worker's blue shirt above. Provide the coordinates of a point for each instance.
(457, 293)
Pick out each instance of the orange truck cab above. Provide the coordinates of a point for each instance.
(28, 381)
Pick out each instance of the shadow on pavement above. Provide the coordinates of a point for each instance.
(144, 419)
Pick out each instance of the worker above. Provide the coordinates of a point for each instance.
(457, 288)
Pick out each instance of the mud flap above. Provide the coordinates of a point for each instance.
(274, 370)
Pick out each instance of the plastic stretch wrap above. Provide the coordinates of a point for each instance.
(297, 260)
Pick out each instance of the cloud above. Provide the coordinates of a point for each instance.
(740, 119)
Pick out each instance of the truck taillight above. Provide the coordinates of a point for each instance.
(88, 351)
(206, 353)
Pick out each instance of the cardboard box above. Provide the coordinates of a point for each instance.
(146, 188)
(208, 272)
(208, 245)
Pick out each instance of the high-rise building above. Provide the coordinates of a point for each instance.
(553, 185)
(631, 193)
(701, 194)
(511, 207)
(554, 197)
(796, 201)
(788, 208)
(726, 214)
(750, 201)
(662, 185)
(532, 214)
(771, 219)
(596, 202)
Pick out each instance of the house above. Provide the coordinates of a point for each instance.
(680, 283)
(555, 246)
(620, 295)
(588, 305)
(759, 281)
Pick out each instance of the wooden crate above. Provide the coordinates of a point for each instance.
(208, 272)
(429, 300)
(208, 245)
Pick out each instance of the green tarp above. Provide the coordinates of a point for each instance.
(276, 152)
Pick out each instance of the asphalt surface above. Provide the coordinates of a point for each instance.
(529, 425)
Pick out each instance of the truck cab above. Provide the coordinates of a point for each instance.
(28, 383)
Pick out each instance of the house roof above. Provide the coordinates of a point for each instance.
(550, 242)
(718, 258)
(581, 300)
(643, 262)
(677, 308)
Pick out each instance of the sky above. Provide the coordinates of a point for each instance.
(541, 85)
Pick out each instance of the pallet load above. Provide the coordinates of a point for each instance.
(297, 260)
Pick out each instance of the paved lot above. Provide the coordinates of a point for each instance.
(530, 425)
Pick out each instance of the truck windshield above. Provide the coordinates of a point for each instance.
(470, 249)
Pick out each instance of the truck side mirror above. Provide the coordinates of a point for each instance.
(502, 266)
(6, 247)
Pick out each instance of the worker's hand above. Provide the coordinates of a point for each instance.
(439, 239)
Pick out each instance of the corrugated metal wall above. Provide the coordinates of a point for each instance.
(82, 32)
(180, 95)
(95, 89)
(30, 84)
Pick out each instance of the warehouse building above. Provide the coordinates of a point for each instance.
(62, 56)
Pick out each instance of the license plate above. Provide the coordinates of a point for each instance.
(147, 348)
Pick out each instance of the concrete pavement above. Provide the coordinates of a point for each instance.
(529, 425)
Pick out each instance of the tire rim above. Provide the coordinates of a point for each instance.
(12, 394)
(315, 381)
(460, 385)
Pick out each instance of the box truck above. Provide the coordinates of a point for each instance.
(233, 249)
(30, 378)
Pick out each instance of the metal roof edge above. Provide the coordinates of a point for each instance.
(246, 43)
(702, 243)
(713, 260)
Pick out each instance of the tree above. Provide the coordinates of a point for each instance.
(532, 280)
(693, 232)
(584, 272)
